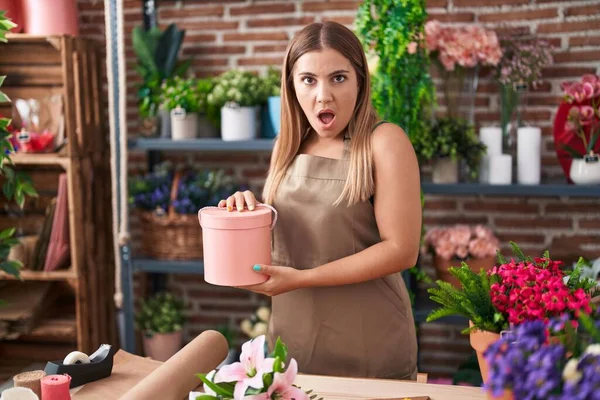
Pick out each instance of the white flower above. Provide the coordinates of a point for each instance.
(570, 373)
(593, 349)
(260, 328)
(246, 327)
(263, 313)
(211, 377)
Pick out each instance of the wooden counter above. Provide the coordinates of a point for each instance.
(333, 388)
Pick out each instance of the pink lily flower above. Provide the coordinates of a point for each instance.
(282, 387)
(249, 371)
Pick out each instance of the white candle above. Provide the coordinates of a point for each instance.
(500, 169)
(529, 141)
(484, 169)
(491, 136)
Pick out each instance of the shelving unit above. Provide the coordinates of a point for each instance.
(424, 306)
(82, 317)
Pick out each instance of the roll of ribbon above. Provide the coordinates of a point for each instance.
(19, 393)
(76, 357)
(30, 380)
(56, 387)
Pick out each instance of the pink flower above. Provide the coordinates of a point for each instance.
(482, 232)
(282, 387)
(412, 48)
(587, 115)
(460, 235)
(445, 249)
(248, 372)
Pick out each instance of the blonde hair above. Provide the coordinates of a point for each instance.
(294, 124)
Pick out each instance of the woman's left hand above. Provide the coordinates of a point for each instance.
(281, 280)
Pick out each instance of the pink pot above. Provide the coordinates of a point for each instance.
(55, 17)
(162, 346)
(14, 11)
(234, 242)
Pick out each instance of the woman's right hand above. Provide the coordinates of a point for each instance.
(238, 200)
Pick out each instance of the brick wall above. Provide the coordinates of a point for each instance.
(253, 34)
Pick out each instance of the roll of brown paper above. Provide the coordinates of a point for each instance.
(176, 378)
(30, 380)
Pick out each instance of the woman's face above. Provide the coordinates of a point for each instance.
(326, 87)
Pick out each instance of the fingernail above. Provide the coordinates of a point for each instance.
(251, 207)
(229, 208)
(256, 267)
(240, 208)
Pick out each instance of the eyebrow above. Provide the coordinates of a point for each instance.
(337, 72)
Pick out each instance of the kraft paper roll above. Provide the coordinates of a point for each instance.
(176, 378)
(19, 393)
(56, 387)
(30, 380)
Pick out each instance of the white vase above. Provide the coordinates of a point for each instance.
(184, 126)
(585, 171)
(445, 170)
(529, 159)
(238, 123)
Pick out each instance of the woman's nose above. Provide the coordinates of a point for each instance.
(324, 94)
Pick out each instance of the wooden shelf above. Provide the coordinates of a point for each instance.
(41, 159)
(61, 275)
(169, 266)
(54, 330)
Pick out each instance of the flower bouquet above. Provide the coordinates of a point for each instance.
(576, 130)
(476, 244)
(255, 377)
(529, 363)
(518, 290)
(458, 52)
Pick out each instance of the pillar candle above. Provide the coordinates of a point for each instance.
(500, 169)
(529, 141)
(491, 136)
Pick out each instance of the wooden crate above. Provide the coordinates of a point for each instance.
(35, 67)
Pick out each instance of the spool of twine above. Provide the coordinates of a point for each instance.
(30, 380)
(56, 387)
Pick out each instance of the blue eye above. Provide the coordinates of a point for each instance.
(339, 78)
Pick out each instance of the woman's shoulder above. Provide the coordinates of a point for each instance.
(389, 138)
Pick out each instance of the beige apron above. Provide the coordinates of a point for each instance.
(358, 330)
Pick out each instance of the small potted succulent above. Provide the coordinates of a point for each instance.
(239, 95)
(161, 319)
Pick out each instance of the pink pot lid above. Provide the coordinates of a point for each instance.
(220, 218)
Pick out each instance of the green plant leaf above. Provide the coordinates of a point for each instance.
(214, 386)
(593, 140)
(572, 151)
(206, 397)
(280, 350)
(7, 233)
(11, 267)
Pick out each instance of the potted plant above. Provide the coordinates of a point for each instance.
(160, 319)
(446, 141)
(157, 59)
(531, 364)
(239, 95)
(476, 245)
(271, 115)
(518, 290)
(576, 130)
(186, 101)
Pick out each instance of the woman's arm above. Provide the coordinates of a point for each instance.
(397, 211)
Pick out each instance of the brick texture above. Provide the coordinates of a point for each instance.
(254, 34)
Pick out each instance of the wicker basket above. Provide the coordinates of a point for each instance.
(171, 236)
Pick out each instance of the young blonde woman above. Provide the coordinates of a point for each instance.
(346, 188)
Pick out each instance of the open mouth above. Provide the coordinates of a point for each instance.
(326, 117)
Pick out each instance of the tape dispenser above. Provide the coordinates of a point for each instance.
(83, 368)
